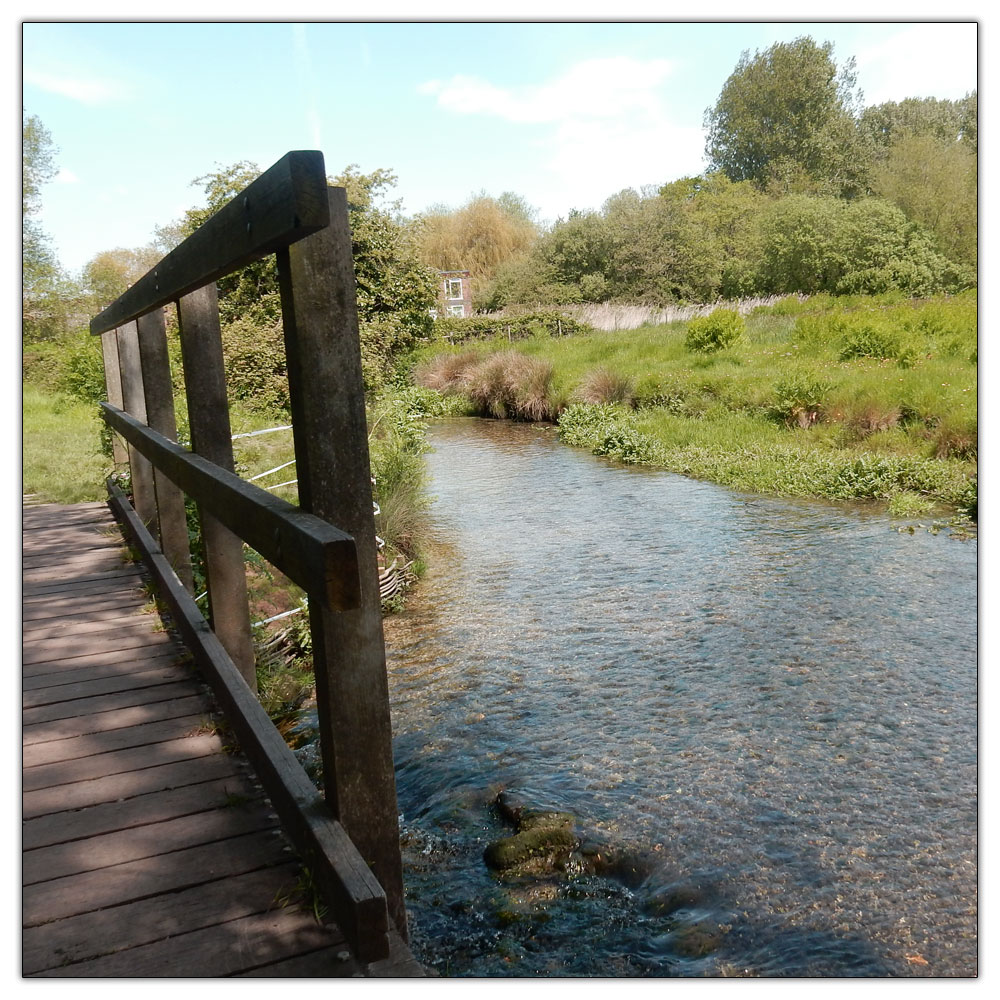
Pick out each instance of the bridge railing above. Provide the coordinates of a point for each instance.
(327, 545)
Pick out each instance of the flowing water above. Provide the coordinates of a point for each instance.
(767, 708)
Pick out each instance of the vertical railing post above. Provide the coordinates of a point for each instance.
(322, 345)
(134, 402)
(211, 437)
(113, 382)
(159, 396)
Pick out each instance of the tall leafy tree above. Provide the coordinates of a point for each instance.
(46, 292)
(785, 120)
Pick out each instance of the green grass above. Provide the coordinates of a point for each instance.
(62, 459)
(801, 404)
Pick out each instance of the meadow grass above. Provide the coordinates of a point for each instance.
(839, 398)
(61, 457)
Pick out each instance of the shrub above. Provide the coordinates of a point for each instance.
(798, 399)
(256, 369)
(512, 326)
(719, 330)
(866, 340)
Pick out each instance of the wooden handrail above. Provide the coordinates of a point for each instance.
(314, 554)
(350, 836)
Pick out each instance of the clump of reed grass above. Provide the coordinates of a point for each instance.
(601, 386)
(504, 384)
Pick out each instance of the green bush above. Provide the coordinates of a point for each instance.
(517, 326)
(715, 332)
(256, 369)
(798, 399)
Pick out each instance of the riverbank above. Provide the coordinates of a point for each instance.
(869, 398)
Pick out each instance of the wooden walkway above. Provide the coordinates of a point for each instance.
(148, 847)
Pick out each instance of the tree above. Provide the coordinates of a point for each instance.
(935, 182)
(46, 292)
(785, 121)
(479, 237)
(947, 121)
(109, 273)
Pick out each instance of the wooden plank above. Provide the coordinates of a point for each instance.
(75, 894)
(92, 629)
(311, 552)
(119, 762)
(211, 437)
(93, 853)
(222, 949)
(323, 352)
(113, 711)
(91, 935)
(126, 636)
(159, 395)
(116, 787)
(107, 741)
(347, 884)
(325, 963)
(158, 652)
(93, 583)
(153, 807)
(107, 609)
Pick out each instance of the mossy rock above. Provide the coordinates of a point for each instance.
(696, 940)
(538, 842)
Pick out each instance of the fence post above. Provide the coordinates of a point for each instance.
(134, 402)
(211, 437)
(323, 352)
(113, 381)
(159, 397)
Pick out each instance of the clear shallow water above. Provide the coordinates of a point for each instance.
(770, 705)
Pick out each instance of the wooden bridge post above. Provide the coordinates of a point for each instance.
(211, 437)
(159, 397)
(113, 382)
(134, 402)
(322, 345)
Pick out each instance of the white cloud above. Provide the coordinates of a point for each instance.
(86, 90)
(66, 177)
(595, 88)
(608, 127)
(920, 60)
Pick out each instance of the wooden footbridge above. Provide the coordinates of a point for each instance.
(168, 829)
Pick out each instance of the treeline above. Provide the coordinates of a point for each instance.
(805, 192)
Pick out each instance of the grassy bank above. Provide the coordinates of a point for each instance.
(62, 459)
(859, 398)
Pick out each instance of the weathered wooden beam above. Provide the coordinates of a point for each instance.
(159, 395)
(322, 347)
(345, 881)
(320, 558)
(211, 437)
(113, 383)
(286, 203)
(134, 402)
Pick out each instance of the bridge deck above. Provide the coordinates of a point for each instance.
(148, 847)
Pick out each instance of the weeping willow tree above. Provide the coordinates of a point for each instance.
(482, 235)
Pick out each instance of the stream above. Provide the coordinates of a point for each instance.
(768, 707)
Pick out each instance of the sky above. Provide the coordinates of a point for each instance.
(563, 113)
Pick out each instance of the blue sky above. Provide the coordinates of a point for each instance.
(564, 114)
